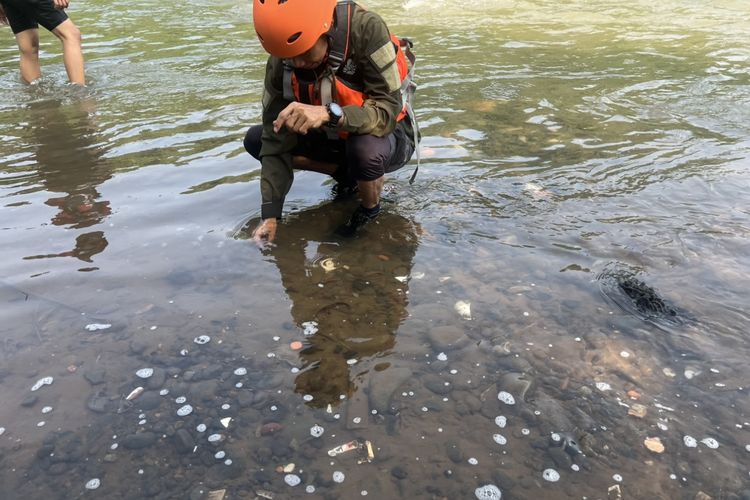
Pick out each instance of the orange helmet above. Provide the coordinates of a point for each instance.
(288, 28)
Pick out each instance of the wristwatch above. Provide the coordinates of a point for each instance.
(334, 114)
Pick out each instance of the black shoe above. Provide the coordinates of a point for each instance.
(359, 219)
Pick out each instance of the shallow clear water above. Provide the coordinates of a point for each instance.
(577, 237)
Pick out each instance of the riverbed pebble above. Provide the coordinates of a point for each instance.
(338, 476)
(240, 371)
(690, 441)
(488, 492)
(41, 383)
(97, 326)
(710, 443)
(144, 372)
(184, 411)
(499, 439)
(93, 484)
(202, 339)
(501, 421)
(292, 479)
(316, 431)
(506, 398)
(551, 475)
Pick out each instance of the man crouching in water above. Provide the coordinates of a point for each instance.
(332, 103)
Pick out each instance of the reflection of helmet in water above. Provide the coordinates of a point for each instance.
(288, 28)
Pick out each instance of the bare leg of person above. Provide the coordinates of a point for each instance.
(369, 191)
(28, 46)
(70, 37)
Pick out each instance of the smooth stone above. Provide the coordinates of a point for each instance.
(95, 376)
(245, 398)
(29, 400)
(436, 384)
(445, 338)
(384, 384)
(139, 441)
(156, 380)
(454, 453)
(149, 400)
(183, 441)
(98, 403)
(205, 390)
(399, 472)
(137, 346)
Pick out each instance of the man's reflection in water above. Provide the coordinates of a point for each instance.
(69, 161)
(349, 289)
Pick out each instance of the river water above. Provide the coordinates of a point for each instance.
(577, 238)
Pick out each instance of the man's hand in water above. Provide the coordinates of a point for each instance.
(265, 233)
(299, 118)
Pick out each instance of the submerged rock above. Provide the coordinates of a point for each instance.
(384, 384)
(139, 441)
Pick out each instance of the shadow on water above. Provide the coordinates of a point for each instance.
(344, 295)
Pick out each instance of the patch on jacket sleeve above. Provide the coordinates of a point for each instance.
(384, 56)
(266, 99)
(384, 60)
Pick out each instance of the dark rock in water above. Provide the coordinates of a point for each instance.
(263, 455)
(29, 400)
(98, 403)
(645, 298)
(436, 384)
(156, 380)
(149, 400)
(183, 441)
(137, 346)
(280, 449)
(445, 338)
(95, 376)
(234, 469)
(245, 398)
(263, 476)
(454, 453)
(399, 472)
(139, 441)
(204, 391)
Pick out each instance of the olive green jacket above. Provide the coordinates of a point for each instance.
(369, 37)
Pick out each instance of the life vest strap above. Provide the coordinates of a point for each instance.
(408, 88)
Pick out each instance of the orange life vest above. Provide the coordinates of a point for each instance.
(345, 91)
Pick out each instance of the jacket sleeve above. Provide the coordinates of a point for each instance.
(276, 174)
(376, 55)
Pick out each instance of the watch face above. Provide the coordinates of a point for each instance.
(336, 109)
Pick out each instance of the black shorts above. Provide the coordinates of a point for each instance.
(29, 14)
